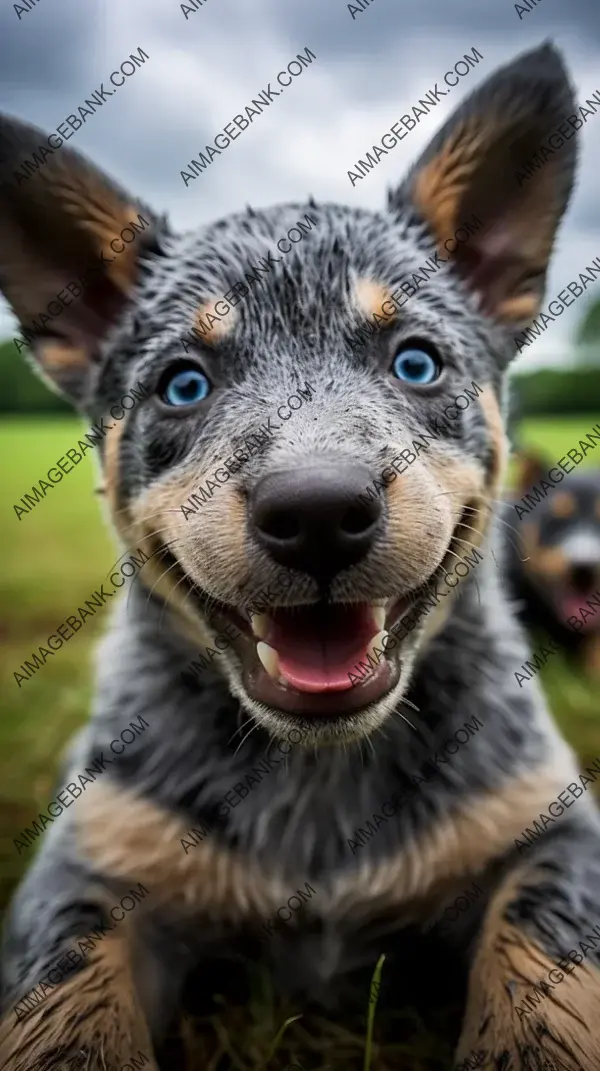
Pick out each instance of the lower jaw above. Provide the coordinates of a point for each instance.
(262, 688)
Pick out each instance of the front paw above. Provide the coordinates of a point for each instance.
(92, 1020)
(43, 1043)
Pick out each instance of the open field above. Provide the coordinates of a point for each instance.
(54, 558)
(552, 437)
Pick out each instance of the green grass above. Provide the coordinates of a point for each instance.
(552, 438)
(574, 702)
(54, 557)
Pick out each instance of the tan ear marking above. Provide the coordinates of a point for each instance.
(56, 356)
(522, 308)
(99, 211)
(474, 167)
(441, 184)
(70, 242)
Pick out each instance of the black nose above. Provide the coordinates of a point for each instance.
(310, 518)
(583, 575)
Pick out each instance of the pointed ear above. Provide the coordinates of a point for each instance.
(477, 165)
(70, 247)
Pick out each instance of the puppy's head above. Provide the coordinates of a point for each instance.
(374, 343)
(561, 541)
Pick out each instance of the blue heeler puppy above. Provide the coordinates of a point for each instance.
(362, 731)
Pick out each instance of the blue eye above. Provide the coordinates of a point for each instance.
(414, 365)
(185, 387)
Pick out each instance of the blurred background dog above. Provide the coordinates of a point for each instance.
(553, 560)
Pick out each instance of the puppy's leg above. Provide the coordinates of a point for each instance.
(534, 987)
(80, 988)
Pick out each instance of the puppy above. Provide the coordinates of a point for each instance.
(554, 559)
(361, 739)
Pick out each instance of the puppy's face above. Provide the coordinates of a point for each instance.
(327, 447)
(561, 540)
(298, 525)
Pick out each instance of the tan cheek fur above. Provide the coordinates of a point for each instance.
(420, 522)
(498, 441)
(562, 504)
(211, 543)
(550, 563)
(137, 525)
(434, 491)
(112, 477)
(442, 486)
(155, 519)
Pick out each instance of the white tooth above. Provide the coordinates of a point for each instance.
(379, 616)
(377, 641)
(269, 658)
(260, 625)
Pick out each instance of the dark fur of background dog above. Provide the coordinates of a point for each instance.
(553, 559)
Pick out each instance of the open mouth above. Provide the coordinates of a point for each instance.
(327, 659)
(320, 659)
(315, 649)
(582, 585)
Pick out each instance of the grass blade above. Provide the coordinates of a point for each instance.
(373, 997)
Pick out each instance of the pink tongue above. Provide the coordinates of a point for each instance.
(319, 647)
(571, 605)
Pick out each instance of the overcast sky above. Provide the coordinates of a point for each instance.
(204, 69)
